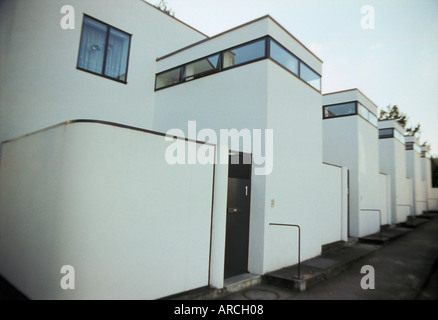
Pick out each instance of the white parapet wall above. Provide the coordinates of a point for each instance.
(102, 199)
(334, 217)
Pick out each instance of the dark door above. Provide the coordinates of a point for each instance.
(237, 228)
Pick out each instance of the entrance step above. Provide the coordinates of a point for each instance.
(384, 237)
(312, 271)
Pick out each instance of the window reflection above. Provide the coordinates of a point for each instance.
(201, 67)
(310, 76)
(245, 53)
(283, 57)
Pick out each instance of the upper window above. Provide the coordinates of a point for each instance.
(310, 76)
(284, 57)
(338, 110)
(244, 54)
(104, 50)
(367, 115)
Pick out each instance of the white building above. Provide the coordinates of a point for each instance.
(99, 195)
(413, 171)
(392, 155)
(350, 139)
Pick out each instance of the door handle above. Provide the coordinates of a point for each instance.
(246, 190)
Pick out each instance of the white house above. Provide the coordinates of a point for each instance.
(413, 171)
(119, 137)
(350, 139)
(100, 194)
(392, 156)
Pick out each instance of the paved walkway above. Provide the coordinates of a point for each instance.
(405, 269)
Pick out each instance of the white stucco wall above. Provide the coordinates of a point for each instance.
(335, 202)
(295, 183)
(103, 200)
(258, 96)
(340, 138)
(40, 85)
(414, 171)
(392, 155)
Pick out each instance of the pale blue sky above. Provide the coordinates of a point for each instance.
(396, 63)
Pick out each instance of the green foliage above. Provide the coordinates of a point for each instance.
(162, 5)
(394, 113)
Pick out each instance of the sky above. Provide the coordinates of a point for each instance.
(394, 63)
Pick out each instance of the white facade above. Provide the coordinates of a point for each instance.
(261, 95)
(413, 171)
(98, 193)
(131, 225)
(40, 84)
(392, 155)
(350, 140)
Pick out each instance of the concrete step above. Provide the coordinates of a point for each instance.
(312, 271)
(231, 285)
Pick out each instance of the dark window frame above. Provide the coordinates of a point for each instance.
(266, 38)
(107, 35)
(356, 113)
(342, 115)
(386, 136)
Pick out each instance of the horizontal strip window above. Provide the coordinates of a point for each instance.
(413, 146)
(391, 133)
(367, 115)
(252, 51)
(340, 110)
(349, 109)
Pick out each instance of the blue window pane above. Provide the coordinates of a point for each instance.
(284, 58)
(117, 55)
(92, 48)
(310, 76)
(246, 53)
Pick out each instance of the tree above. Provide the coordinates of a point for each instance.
(162, 5)
(393, 113)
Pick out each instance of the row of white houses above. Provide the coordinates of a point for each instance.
(85, 175)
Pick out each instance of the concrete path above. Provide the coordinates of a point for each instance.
(405, 269)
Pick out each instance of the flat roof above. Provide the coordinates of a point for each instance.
(238, 27)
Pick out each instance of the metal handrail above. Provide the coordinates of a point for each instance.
(299, 242)
(380, 219)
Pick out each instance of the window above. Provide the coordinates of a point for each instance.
(104, 50)
(245, 53)
(310, 76)
(400, 137)
(386, 133)
(367, 115)
(338, 110)
(283, 57)
(201, 67)
(249, 52)
(168, 78)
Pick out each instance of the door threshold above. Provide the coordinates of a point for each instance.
(242, 281)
